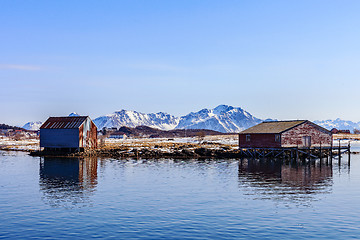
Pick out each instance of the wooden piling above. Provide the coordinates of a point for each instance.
(339, 153)
(327, 159)
(297, 155)
(320, 153)
(349, 153)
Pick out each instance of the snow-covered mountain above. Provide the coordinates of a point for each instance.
(32, 126)
(128, 118)
(339, 124)
(223, 118)
(73, 114)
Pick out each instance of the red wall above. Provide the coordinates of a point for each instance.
(258, 141)
(294, 136)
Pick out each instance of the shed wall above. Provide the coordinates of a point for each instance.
(59, 138)
(88, 134)
(294, 136)
(258, 140)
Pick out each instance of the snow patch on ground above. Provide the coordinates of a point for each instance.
(7, 143)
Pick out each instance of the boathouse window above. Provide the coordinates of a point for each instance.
(277, 138)
(248, 138)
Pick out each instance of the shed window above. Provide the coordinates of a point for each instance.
(248, 138)
(277, 137)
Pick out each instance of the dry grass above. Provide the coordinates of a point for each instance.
(346, 136)
(213, 142)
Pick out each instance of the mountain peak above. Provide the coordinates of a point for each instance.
(222, 108)
(73, 114)
(223, 118)
(32, 125)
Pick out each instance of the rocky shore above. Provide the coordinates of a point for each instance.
(146, 153)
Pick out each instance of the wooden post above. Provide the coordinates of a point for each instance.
(339, 153)
(327, 160)
(297, 155)
(331, 156)
(331, 149)
(349, 154)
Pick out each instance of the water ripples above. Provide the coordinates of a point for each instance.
(62, 198)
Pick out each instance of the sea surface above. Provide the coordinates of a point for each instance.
(61, 198)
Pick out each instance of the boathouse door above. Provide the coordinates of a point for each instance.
(307, 141)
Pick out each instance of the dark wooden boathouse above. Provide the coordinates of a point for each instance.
(69, 134)
(285, 134)
(299, 139)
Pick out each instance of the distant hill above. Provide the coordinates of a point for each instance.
(5, 126)
(145, 131)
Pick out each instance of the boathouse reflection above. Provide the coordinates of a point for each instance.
(274, 180)
(67, 181)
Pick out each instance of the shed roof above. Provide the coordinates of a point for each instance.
(63, 122)
(273, 126)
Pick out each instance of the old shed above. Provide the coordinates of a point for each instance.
(284, 134)
(68, 133)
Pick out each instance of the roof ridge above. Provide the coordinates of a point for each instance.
(274, 126)
(285, 121)
(65, 122)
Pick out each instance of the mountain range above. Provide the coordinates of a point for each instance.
(223, 118)
(133, 119)
(339, 124)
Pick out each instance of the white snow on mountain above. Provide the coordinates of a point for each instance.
(73, 114)
(223, 118)
(339, 124)
(128, 118)
(32, 126)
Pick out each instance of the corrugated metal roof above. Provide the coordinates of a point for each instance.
(273, 127)
(64, 122)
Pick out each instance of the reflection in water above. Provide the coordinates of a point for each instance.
(269, 179)
(67, 181)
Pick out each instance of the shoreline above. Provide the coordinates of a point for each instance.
(220, 146)
(145, 153)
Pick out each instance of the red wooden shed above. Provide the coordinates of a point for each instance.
(283, 134)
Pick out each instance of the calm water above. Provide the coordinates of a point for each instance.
(58, 198)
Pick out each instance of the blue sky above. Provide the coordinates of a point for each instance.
(276, 59)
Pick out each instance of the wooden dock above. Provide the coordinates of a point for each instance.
(298, 154)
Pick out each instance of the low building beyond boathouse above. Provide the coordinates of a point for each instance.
(69, 134)
(285, 134)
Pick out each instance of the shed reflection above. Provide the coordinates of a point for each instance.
(67, 181)
(271, 179)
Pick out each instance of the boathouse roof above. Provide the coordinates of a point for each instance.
(273, 126)
(63, 122)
